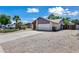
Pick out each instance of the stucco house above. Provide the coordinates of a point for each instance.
(69, 26)
(47, 24)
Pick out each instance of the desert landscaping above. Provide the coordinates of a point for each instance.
(65, 41)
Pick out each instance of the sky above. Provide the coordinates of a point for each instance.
(30, 13)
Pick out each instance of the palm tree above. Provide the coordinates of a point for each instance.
(17, 19)
(66, 20)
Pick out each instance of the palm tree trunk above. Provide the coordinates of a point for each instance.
(16, 24)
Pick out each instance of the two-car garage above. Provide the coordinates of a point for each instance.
(44, 27)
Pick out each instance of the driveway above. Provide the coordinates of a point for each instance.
(41, 42)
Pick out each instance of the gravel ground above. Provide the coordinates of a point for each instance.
(16, 35)
(65, 41)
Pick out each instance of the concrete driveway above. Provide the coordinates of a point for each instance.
(40, 42)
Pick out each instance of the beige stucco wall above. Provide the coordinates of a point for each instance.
(55, 25)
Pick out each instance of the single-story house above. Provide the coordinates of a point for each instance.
(7, 26)
(28, 25)
(47, 24)
(70, 26)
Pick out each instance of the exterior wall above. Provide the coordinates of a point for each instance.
(37, 25)
(32, 26)
(58, 26)
(77, 26)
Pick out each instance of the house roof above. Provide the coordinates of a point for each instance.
(50, 20)
(56, 20)
(70, 23)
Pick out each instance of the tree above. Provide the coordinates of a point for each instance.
(17, 19)
(4, 19)
(66, 20)
(20, 25)
(52, 16)
(75, 21)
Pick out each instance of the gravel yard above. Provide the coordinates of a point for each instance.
(65, 41)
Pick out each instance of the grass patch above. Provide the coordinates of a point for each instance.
(8, 30)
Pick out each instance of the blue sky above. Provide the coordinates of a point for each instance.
(29, 13)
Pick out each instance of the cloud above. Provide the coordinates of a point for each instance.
(56, 10)
(73, 13)
(32, 10)
(34, 18)
(45, 16)
(62, 11)
(67, 9)
(25, 21)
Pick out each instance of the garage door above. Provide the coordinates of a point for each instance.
(44, 27)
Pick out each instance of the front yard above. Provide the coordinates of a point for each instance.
(8, 30)
(50, 42)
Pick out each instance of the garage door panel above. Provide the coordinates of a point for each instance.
(44, 27)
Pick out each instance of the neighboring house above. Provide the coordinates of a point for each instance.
(28, 25)
(11, 25)
(70, 26)
(47, 24)
(2, 26)
(7, 26)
